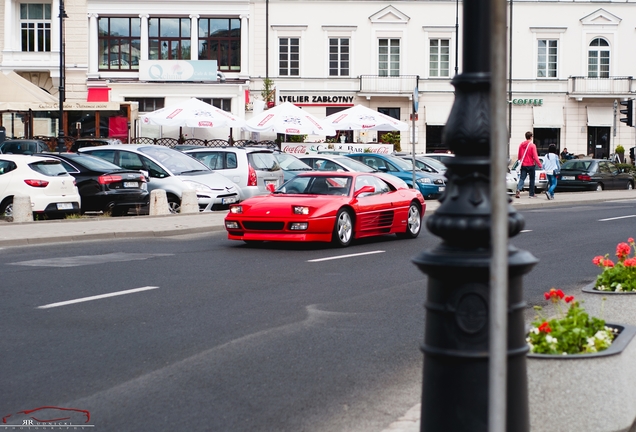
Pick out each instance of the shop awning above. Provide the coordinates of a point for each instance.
(547, 117)
(16, 91)
(600, 116)
(437, 115)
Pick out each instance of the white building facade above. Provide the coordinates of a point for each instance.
(569, 63)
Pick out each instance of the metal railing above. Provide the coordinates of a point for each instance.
(610, 86)
(403, 84)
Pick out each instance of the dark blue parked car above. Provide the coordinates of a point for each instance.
(430, 185)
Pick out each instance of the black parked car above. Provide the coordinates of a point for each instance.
(23, 146)
(592, 174)
(104, 186)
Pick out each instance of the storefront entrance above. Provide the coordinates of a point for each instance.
(598, 141)
(391, 112)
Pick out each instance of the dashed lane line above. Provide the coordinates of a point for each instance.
(97, 297)
(345, 256)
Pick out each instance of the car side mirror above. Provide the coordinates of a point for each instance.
(364, 189)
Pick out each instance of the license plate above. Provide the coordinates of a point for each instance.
(270, 182)
(131, 184)
(567, 177)
(228, 200)
(442, 188)
(65, 206)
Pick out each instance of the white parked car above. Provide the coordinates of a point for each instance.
(51, 188)
(253, 169)
(172, 171)
(540, 177)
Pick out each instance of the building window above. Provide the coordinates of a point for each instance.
(35, 27)
(338, 57)
(598, 58)
(220, 40)
(547, 58)
(543, 137)
(169, 38)
(224, 104)
(389, 57)
(439, 58)
(147, 104)
(289, 56)
(434, 139)
(119, 43)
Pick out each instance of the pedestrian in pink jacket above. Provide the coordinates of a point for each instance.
(529, 158)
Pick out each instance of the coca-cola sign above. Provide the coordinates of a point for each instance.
(309, 148)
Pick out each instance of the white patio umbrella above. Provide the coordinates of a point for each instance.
(192, 113)
(288, 119)
(360, 117)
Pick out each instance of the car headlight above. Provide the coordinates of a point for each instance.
(300, 210)
(232, 225)
(199, 187)
(423, 180)
(236, 209)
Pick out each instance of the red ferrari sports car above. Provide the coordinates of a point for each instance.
(329, 207)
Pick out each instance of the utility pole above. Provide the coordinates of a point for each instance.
(60, 137)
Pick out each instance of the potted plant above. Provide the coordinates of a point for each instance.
(620, 151)
(574, 359)
(269, 92)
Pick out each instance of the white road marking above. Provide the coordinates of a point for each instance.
(97, 297)
(345, 256)
(616, 218)
(525, 231)
(88, 260)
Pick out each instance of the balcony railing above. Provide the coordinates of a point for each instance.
(403, 84)
(579, 85)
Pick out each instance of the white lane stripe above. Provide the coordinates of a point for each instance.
(525, 231)
(616, 218)
(97, 297)
(346, 256)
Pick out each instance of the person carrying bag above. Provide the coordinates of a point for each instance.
(528, 161)
(552, 167)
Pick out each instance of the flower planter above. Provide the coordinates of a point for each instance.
(617, 307)
(585, 392)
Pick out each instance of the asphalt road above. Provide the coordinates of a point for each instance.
(226, 337)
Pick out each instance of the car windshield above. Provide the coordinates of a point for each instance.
(354, 165)
(49, 167)
(401, 163)
(175, 161)
(580, 165)
(317, 185)
(94, 163)
(291, 163)
(264, 161)
(434, 163)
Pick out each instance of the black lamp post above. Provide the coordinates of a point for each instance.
(60, 137)
(458, 309)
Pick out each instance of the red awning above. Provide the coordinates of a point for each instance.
(98, 94)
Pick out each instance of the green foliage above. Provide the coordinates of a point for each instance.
(620, 276)
(573, 333)
(296, 138)
(392, 138)
(268, 92)
(628, 168)
(619, 149)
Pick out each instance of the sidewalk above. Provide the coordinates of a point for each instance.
(104, 228)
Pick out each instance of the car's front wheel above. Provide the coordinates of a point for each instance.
(343, 228)
(174, 204)
(413, 223)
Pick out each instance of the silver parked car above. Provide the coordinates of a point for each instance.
(173, 172)
(252, 169)
(540, 177)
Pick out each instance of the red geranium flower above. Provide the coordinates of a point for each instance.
(568, 299)
(622, 251)
(545, 327)
(608, 263)
(598, 260)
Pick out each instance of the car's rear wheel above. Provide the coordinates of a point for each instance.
(630, 186)
(343, 229)
(6, 208)
(413, 223)
(599, 187)
(174, 204)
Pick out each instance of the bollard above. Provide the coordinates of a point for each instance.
(158, 203)
(22, 211)
(189, 202)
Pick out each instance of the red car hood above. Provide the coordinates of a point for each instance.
(275, 203)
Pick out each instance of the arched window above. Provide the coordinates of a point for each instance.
(598, 59)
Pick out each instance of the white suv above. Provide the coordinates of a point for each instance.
(251, 168)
